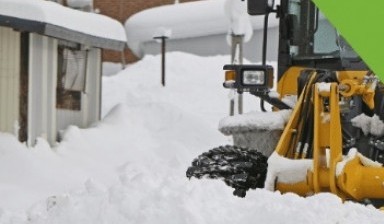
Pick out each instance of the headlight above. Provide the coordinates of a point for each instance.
(249, 78)
(253, 77)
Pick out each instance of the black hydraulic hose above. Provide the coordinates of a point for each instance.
(264, 52)
(309, 116)
(265, 41)
(305, 116)
(262, 106)
(310, 121)
(277, 103)
(309, 139)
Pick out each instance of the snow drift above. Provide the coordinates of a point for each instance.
(130, 168)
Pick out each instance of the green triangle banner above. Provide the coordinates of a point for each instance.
(361, 22)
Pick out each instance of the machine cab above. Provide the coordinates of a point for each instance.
(308, 39)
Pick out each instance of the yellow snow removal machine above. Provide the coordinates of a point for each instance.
(325, 132)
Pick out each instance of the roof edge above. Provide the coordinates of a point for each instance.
(47, 29)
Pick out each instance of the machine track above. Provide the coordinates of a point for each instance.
(240, 168)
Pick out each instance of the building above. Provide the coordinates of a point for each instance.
(121, 10)
(50, 67)
(205, 44)
(206, 34)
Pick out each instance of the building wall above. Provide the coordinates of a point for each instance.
(42, 88)
(217, 44)
(122, 10)
(90, 98)
(9, 79)
(44, 118)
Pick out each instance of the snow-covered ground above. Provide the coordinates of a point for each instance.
(130, 167)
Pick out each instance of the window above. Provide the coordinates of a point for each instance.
(71, 80)
(313, 36)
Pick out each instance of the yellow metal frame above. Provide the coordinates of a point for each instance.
(356, 181)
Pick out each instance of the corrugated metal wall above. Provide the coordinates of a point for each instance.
(42, 88)
(9, 79)
(44, 120)
(90, 98)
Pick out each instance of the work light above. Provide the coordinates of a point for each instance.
(249, 78)
(253, 77)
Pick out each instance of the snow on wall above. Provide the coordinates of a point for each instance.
(254, 120)
(56, 14)
(186, 20)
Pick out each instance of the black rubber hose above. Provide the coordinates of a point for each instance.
(262, 106)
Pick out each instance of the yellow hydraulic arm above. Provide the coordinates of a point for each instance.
(352, 177)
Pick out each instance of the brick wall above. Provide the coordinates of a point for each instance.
(122, 10)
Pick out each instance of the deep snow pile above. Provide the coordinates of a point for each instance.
(130, 168)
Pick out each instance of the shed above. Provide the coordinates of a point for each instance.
(50, 67)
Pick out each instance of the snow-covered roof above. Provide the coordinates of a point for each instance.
(185, 20)
(52, 19)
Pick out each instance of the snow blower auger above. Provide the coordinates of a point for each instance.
(240, 168)
(330, 140)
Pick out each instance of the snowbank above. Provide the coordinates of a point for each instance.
(181, 19)
(130, 168)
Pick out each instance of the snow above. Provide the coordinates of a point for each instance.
(239, 20)
(368, 162)
(254, 120)
(110, 68)
(56, 14)
(130, 167)
(324, 87)
(162, 32)
(369, 125)
(350, 156)
(274, 94)
(353, 153)
(287, 171)
(290, 100)
(182, 20)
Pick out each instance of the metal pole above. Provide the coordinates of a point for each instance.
(163, 40)
(163, 60)
(237, 58)
(240, 96)
(233, 53)
(123, 61)
(264, 53)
